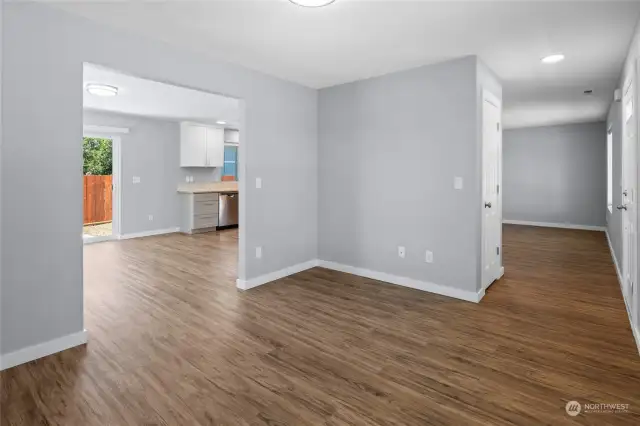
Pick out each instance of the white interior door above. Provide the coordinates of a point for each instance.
(629, 196)
(491, 182)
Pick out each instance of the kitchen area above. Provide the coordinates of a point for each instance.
(214, 205)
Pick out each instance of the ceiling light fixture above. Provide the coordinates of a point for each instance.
(312, 3)
(553, 59)
(221, 122)
(102, 89)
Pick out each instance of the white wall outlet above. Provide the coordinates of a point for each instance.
(258, 183)
(188, 179)
(457, 182)
(429, 257)
(136, 179)
(150, 217)
(258, 252)
(401, 252)
(191, 179)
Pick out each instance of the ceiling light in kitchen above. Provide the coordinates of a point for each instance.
(102, 89)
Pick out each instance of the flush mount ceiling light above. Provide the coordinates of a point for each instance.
(102, 89)
(221, 122)
(553, 59)
(312, 3)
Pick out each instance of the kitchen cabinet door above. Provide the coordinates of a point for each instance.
(215, 147)
(193, 146)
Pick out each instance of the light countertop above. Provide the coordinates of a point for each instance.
(204, 187)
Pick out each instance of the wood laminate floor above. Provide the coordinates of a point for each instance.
(173, 342)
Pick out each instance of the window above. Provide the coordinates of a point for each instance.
(610, 170)
(230, 170)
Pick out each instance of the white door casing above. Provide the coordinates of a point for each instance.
(491, 187)
(628, 207)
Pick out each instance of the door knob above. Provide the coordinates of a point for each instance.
(621, 207)
(487, 205)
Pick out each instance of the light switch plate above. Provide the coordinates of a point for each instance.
(136, 179)
(258, 183)
(258, 252)
(457, 182)
(429, 257)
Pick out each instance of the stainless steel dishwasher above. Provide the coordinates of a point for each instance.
(228, 210)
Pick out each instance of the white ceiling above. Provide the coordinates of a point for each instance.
(138, 96)
(355, 39)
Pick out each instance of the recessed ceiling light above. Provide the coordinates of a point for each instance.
(553, 59)
(221, 122)
(312, 3)
(102, 90)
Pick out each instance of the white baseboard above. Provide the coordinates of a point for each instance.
(149, 233)
(555, 225)
(267, 278)
(101, 239)
(40, 350)
(634, 330)
(615, 260)
(469, 296)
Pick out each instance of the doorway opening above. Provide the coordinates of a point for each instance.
(100, 184)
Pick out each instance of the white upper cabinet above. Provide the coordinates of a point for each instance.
(201, 145)
(215, 147)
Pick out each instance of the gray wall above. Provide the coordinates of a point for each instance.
(42, 254)
(556, 174)
(614, 219)
(389, 149)
(151, 151)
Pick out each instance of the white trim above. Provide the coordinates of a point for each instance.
(469, 296)
(149, 233)
(634, 330)
(272, 276)
(40, 350)
(555, 225)
(90, 128)
(97, 239)
(615, 260)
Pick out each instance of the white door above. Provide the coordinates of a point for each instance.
(629, 196)
(193, 146)
(491, 182)
(215, 147)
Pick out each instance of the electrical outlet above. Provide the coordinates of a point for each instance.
(258, 252)
(136, 179)
(429, 257)
(258, 183)
(188, 179)
(150, 217)
(191, 179)
(401, 252)
(457, 182)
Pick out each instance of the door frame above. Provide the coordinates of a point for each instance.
(113, 133)
(488, 96)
